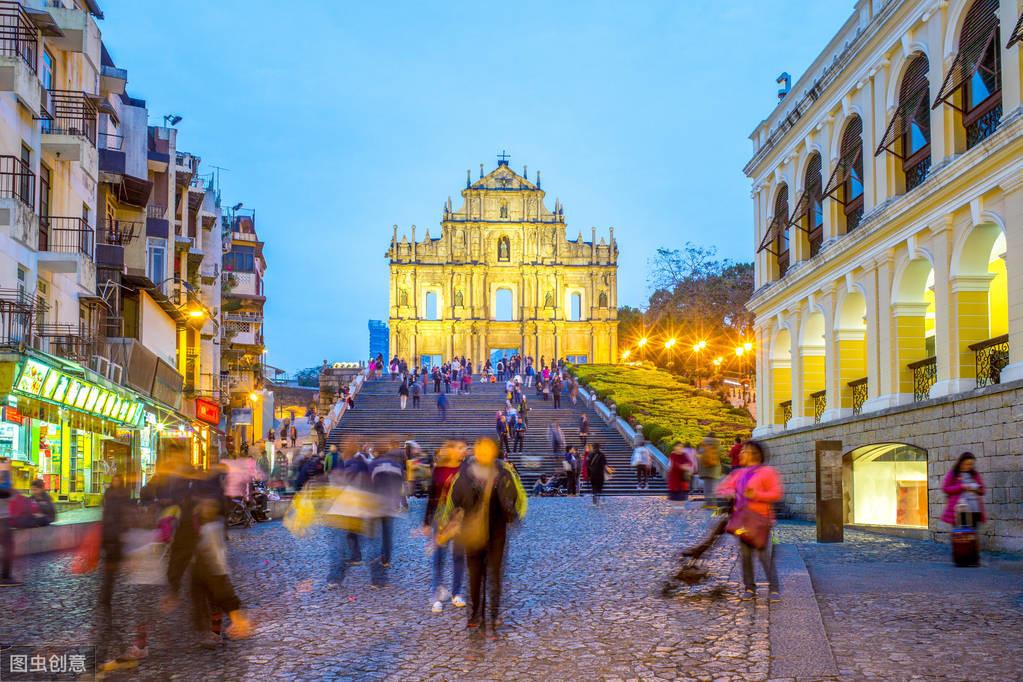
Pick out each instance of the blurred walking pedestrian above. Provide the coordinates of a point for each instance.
(584, 430)
(501, 427)
(442, 406)
(490, 496)
(387, 473)
(403, 394)
(597, 463)
(755, 488)
(556, 438)
(449, 460)
(642, 463)
(681, 464)
(710, 468)
(416, 389)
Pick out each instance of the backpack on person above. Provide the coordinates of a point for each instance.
(710, 458)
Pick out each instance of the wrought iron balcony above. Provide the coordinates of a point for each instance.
(18, 35)
(63, 234)
(925, 374)
(18, 314)
(72, 112)
(121, 232)
(859, 394)
(820, 403)
(17, 180)
(982, 123)
(992, 357)
(786, 411)
(69, 341)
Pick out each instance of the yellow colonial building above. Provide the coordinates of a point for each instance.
(502, 278)
(888, 195)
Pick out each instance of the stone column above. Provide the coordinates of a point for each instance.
(886, 393)
(1013, 204)
(799, 417)
(945, 323)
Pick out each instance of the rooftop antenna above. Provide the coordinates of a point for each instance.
(785, 80)
(218, 169)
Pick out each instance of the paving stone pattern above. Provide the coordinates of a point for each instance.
(583, 597)
(897, 609)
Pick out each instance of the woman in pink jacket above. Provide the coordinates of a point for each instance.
(755, 487)
(963, 483)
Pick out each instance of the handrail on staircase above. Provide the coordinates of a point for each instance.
(340, 408)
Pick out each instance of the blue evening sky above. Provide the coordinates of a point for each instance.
(338, 120)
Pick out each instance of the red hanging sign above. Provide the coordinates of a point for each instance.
(12, 415)
(207, 411)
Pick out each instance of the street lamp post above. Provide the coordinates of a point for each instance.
(698, 349)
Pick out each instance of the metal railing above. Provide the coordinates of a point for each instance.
(72, 113)
(786, 411)
(18, 315)
(820, 403)
(991, 356)
(983, 126)
(17, 180)
(18, 35)
(859, 394)
(63, 234)
(156, 211)
(121, 232)
(111, 141)
(925, 375)
(69, 341)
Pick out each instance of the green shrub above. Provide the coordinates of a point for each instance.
(625, 410)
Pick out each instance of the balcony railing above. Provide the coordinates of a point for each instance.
(111, 141)
(18, 314)
(18, 35)
(820, 403)
(983, 122)
(925, 374)
(786, 411)
(992, 357)
(62, 234)
(121, 232)
(157, 211)
(859, 394)
(17, 180)
(69, 341)
(72, 113)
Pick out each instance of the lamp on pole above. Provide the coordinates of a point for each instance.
(698, 348)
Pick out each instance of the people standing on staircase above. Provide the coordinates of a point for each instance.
(436, 379)
(530, 372)
(556, 387)
(573, 390)
(584, 430)
(597, 463)
(584, 465)
(524, 409)
(394, 367)
(416, 390)
(442, 406)
(490, 496)
(426, 379)
(403, 394)
(520, 434)
(556, 438)
(501, 427)
(641, 462)
(570, 467)
(466, 382)
(321, 435)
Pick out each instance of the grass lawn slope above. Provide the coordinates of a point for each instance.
(669, 409)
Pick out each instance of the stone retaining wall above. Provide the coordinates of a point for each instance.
(986, 422)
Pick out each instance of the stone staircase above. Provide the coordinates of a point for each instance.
(377, 416)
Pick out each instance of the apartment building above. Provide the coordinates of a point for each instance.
(888, 201)
(111, 252)
(243, 342)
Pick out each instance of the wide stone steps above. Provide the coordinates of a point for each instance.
(377, 418)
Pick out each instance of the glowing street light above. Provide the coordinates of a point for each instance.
(718, 360)
(670, 343)
(196, 313)
(748, 346)
(626, 353)
(254, 397)
(739, 350)
(642, 342)
(699, 345)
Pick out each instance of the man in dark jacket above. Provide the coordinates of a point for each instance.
(387, 473)
(490, 496)
(43, 511)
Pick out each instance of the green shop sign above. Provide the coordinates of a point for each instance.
(42, 381)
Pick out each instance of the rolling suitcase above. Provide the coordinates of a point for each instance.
(965, 545)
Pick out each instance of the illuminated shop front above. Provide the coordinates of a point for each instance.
(887, 485)
(67, 426)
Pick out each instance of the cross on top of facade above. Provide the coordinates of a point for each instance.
(502, 158)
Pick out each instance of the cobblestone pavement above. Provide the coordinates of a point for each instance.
(897, 609)
(583, 601)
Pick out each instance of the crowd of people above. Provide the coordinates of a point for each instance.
(145, 548)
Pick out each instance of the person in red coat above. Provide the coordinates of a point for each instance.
(681, 463)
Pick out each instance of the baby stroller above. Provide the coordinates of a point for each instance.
(691, 568)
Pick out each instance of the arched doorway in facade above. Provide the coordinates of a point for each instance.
(885, 484)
